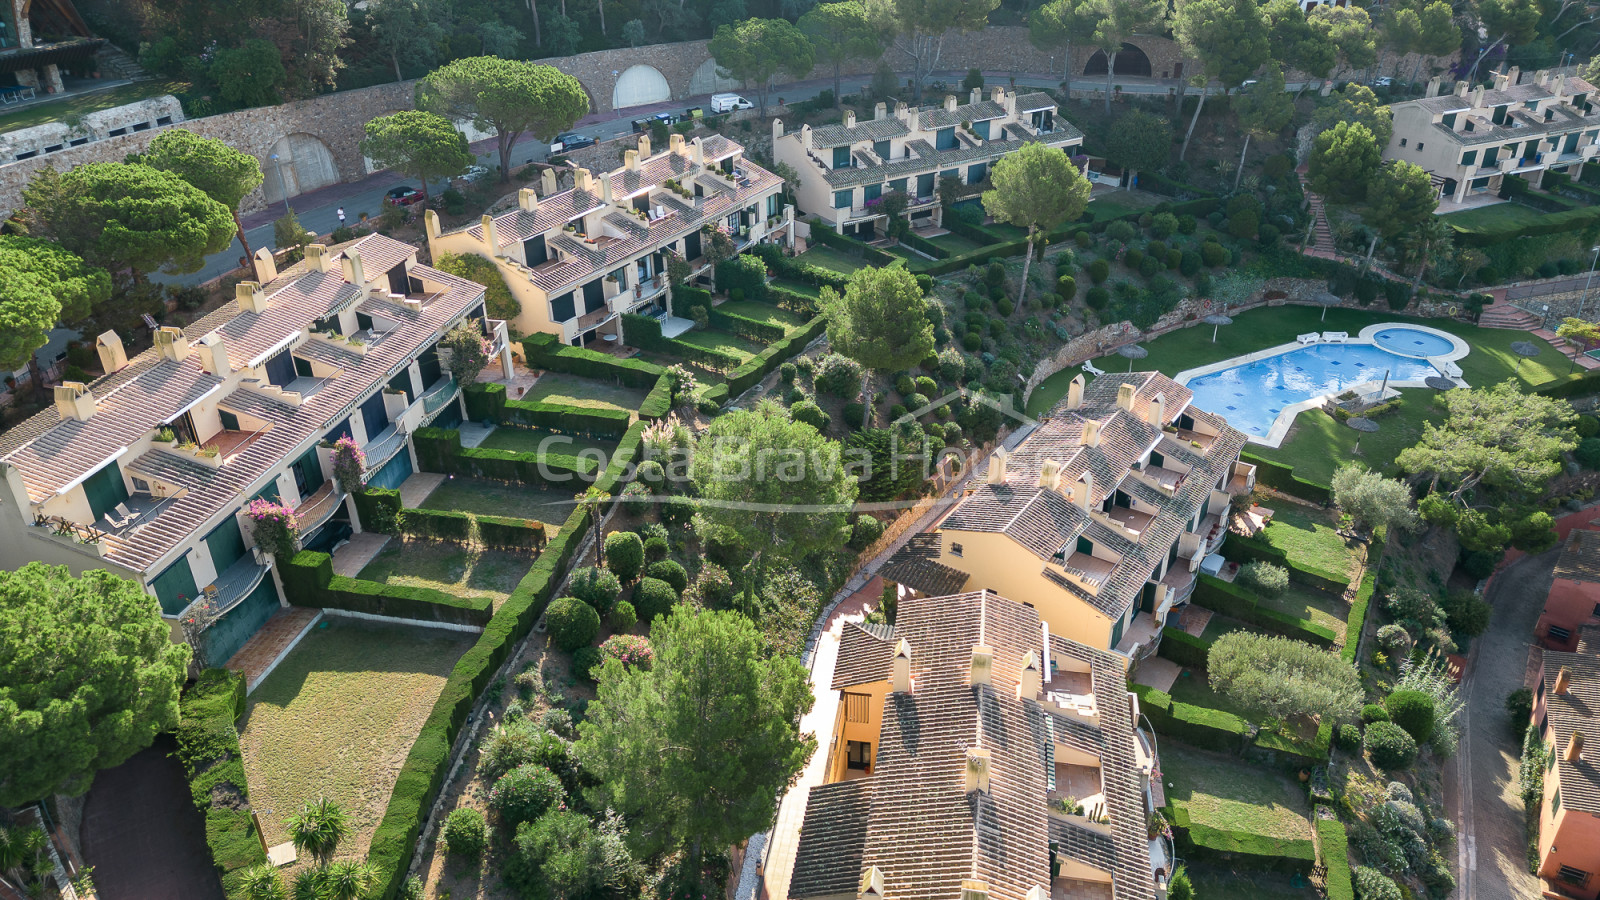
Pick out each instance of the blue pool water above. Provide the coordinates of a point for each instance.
(1250, 396)
(1413, 342)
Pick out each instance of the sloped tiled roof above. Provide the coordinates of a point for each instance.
(928, 158)
(1580, 557)
(939, 117)
(917, 566)
(1578, 710)
(865, 652)
(825, 136)
(828, 858)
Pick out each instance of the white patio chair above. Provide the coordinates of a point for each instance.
(127, 514)
(1092, 369)
(1310, 337)
(1336, 337)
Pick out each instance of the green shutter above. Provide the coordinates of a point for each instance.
(175, 587)
(226, 544)
(105, 489)
(1085, 546)
(310, 470)
(1116, 634)
(269, 492)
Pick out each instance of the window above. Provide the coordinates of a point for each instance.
(899, 184)
(855, 707)
(841, 199)
(871, 192)
(772, 205)
(1469, 158)
(1085, 546)
(976, 172)
(563, 308)
(1574, 876)
(1402, 142)
(140, 485)
(1499, 117)
(955, 549)
(881, 148)
(1555, 799)
(1450, 121)
(1419, 146)
(841, 157)
(1557, 633)
(981, 129)
(945, 139)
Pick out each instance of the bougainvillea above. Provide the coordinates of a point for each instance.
(349, 463)
(275, 527)
(632, 649)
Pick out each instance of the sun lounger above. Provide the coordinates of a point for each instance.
(1450, 369)
(1090, 368)
(1310, 337)
(1336, 337)
(126, 514)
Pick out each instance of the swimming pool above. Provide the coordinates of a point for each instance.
(1413, 342)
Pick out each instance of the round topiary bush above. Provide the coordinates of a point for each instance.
(1349, 737)
(656, 548)
(653, 597)
(1413, 711)
(1266, 578)
(1083, 239)
(1588, 453)
(624, 555)
(951, 365)
(809, 413)
(952, 434)
(1370, 884)
(585, 663)
(1587, 426)
(623, 617)
(726, 547)
(1097, 297)
(1187, 224)
(1188, 263)
(597, 587)
(714, 586)
(524, 794)
(1389, 746)
(465, 833)
(1004, 306)
(572, 623)
(917, 401)
(1151, 265)
(839, 376)
(904, 385)
(1213, 254)
(971, 342)
(1134, 258)
(1067, 287)
(1099, 271)
(669, 571)
(1394, 639)
(925, 385)
(1373, 712)
(1121, 230)
(864, 532)
(854, 414)
(786, 372)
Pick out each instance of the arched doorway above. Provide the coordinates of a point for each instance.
(304, 164)
(1130, 61)
(639, 85)
(706, 80)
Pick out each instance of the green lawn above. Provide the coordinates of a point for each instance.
(1309, 538)
(764, 312)
(1004, 231)
(449, 568)
(1498, 215)
(713, 339)
(1192, 686)
(1321, 607)
(337, 718)
(955, 243)
(799, 287)
(496, 498)
(826, 257)
(75, 106)
(1217, 880)
(1232, 794)
(571, 390)
(533, 440)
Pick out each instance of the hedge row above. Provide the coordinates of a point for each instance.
(1240, 603)
(1239, 548)
(437, 525)
(745, 376)
(208, 747)
(658, 402)
(1282, 477)
(375, 505)
(1247, 849)
(423, 773)
(923, 245)
(1336, 857)
(1295, 752)
(507, 533)
(488, 402)
(1576, 386)
(792, 269)
(793, 301)
(545, 351)
(1490, 234)
(745, 327)
(439, 450)
(978, 257)
(1211, 729)
(308, 581)
(645, 333)
(1184, 648)
(1355, 625)
(826, 236)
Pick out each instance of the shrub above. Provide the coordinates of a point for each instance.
(1099, 270)
(465, 834)
(597, 587)
(1133, 258)
(669, 571)
(1371, 884)
(1213, 254)
(630, 649)
(714, 586)
(1349, 737)
(1394, 639)
(808, 412)
(1373, 712)
(1004, 307)
(1389, 746)
(572, 623)
(623, 618)
(1097, 298)
(904, 385)
(952, 366)
(1121, 230)
(1466, 613)
(1587, 426)
(1163, 224)
(1588, 453)
(509, 745)
(1151, 265)
(855, 414)
(839, 376)
(1267, 235)
(726, 547)
(1266, 578)
(624, 556)
(1067, 287)
(1479, 563)
(1519, 708)
(1413, 711)
(971, 342)
(656, 548)
(524, 794)
(864, 532)
(584, 662)
(918, 401)
(1188, 263)
(653, 597)
(787, 372)
(1174, 259)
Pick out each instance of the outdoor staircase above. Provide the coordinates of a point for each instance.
(1504, 315)
(1321, 234)
(116, 64)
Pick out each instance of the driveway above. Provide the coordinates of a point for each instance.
(143, 835)
(1480, 784)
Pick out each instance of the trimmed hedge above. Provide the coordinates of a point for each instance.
(826, 236)
(745, 327)
(526, 468)
(308, 580)
(1355, 625)
(505, 533)
(645, 333)
(1336, 857)
(485, 402)
(922, 245)
(595, 423)
(1277, 475)
(1183, 648)
(1246, 849)
(1295, 752)
(545, 351)
(370, 503)
(437, 525)
(658, 402)
(978, 257)
(208, 747)
(1211, 729)
(1551, 223)
(1239, 548)
(1237, 602)
(758, 367)
(438, 449)
(792, 269)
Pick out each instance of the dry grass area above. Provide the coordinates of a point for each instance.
(338, 717)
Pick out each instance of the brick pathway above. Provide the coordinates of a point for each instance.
(350, 559)
(259, 654)
(416, 489)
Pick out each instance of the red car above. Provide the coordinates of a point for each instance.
(403, 196)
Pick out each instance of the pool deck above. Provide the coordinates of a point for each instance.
(1443, 363)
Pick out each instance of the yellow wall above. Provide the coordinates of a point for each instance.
(867, 731)
(997, 563)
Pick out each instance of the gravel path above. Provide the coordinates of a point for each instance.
(1483, 795)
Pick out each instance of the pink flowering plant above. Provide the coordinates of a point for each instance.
(274, 526)
(349, 463)
(632, 649)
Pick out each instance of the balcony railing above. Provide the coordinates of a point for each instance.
(438, 395)
(315, 509)
(383, 449)
(235, 583)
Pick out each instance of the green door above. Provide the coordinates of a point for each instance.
(175, 587)
(105, 489)
(226, 544)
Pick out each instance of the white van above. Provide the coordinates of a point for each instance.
(721, 103)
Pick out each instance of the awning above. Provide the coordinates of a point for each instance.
(57, 54)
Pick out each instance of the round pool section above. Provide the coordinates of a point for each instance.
(1413, 342)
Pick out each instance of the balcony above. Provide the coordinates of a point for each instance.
(1193, 438)
(383, 448)
(1130, 520)
(1078, 786)
(1212, 531)
(1180, 581)
(1243, 480)
(639, 294)
(229, 444)
(437, 395)
(317, 508)
(1072, 693)
(1165, 480)
(1090, 569)
(235, 583)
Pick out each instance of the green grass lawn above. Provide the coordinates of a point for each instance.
(1497, 215)
(68, 108)
(1321, 607)
(713, 339)
(1233, 794)
(1005, 231)
(449, 568)
(1192, 686)
(764, 312)
(533, 440)
(571, 390)
(799, 287)
(337, 718)
(1218, 880)
(496, 498)
(1309, 537)
(826, 257)
(955, 243)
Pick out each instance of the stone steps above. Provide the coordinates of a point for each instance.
(116, 63)
(1508, 316)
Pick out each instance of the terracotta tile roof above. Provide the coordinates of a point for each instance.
(927, 158)
(925, 832)
(826, 136)
(1580, 557)
(1034, 102)
(1578, 710)
(554, 211)
(939, 117)
(917, 566)
(865, 654)
(828, 858)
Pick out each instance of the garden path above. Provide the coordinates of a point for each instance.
(419, 485)
(259, 655)
(1483, 796)
(350, 559)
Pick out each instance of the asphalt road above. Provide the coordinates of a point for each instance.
(317, 210)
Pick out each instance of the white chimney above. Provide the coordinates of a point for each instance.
(490, 237)
(1091, 433)
(1075, 392)
(1158, 411)
(630, 160)
(880, 109)
(900, 675)
(949, 102)
(605, 187)
(528, 200)
(849, 118)
(1084, 493)
(976, 96)
(213, 353)
(777, 131)
(250, 297)
(871, 887)
(982, 669)
(318, 258)
(430, 225)
(266, 265)
(1574, 751)
(547, 181)
(1031, 679)
(974, 890)
(644, 146)
(1125, 395)
(354, 272)
(74, 401)
(977, 779)
(113, 356)
(697, 152)
(675, 141)
(997, 467)
(171, 343)
(1050, 475)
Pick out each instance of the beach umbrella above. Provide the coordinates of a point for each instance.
(1217, 320)
(1132, 352)
(1524, 349)
(1439, 383)
(1363, 425)
(1326, 299)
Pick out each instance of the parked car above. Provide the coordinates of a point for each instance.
(403, 195)
(571, 140)
(1382, 81)
(474, 174)
(721, 103)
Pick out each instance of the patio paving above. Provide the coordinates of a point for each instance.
(1157, 672)
(350, 559)
(281, 632)
(419, 485)
(1195, 619)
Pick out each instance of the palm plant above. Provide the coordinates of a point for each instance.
(348, 879)
(262, 882)
(308, 884)
(319, 827)
(21, 850)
